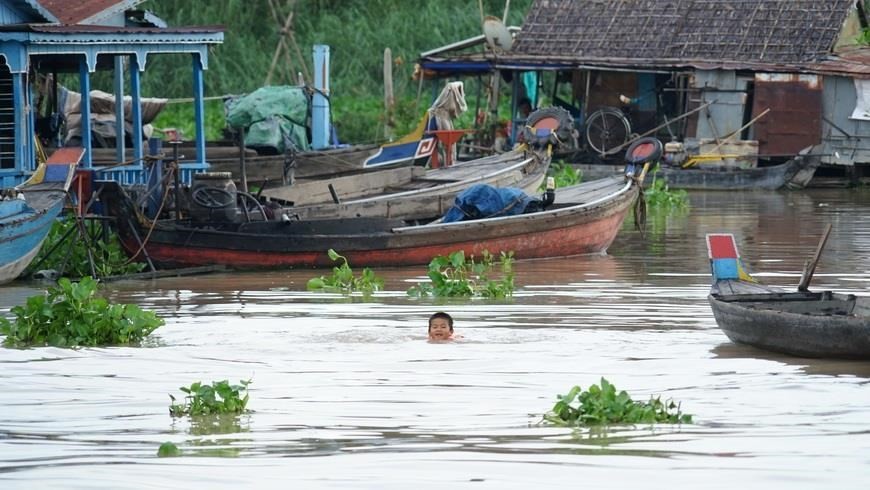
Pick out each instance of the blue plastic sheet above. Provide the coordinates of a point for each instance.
(486, 201)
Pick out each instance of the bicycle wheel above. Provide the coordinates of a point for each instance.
(606, 130)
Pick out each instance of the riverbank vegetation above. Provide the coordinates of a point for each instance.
(72, 314)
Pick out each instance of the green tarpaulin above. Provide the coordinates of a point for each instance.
(273, 117)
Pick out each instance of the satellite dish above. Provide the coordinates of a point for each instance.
(498, 38)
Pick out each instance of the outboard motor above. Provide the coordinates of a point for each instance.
(213, 197)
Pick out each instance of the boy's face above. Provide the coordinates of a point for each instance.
(439, 329)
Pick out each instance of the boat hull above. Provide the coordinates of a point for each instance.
(801, 333)
(794, 173)
(22, 232)
(586, 228)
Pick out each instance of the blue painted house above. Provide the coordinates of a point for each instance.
(48, 37)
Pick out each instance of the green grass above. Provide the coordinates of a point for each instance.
(357, 32)
(180, 116)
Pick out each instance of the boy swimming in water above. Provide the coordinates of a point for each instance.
(440, 326)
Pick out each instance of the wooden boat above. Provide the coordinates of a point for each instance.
(28, 211)
(732, 178)
(802, 323)
(795, 173)
(583, 219)
(410, 192)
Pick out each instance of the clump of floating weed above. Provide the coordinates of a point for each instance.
(601, 405)
(72, 314)
(458, 276)
(343, 279)
(217, 398)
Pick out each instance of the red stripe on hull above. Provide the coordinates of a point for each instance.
(586, 238)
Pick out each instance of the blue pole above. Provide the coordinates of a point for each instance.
(31, 128)
(20, 144)
(120, 126)
(136, 109)
(320, 102)
(198, 108)
(85, 84)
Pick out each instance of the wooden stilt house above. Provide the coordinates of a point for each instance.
(780, 74)
(47, 37)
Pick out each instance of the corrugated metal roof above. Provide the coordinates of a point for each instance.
(85, 11)
(682, 32)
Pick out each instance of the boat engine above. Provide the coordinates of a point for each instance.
(213, 197)
(674, 154)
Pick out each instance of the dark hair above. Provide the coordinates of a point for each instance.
(524, 100)
(441, 314)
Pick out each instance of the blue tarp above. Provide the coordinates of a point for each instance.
(486, 201)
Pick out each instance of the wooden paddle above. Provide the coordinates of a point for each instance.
(810, 266)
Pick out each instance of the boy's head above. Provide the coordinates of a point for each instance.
(524, 107)
(440, 326)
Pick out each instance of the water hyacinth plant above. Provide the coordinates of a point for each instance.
(458, 276)
(219, 397)
(603, 405)
(344, 281)
(65, 252)
(564, 174)
(658, 195)
(72, 315)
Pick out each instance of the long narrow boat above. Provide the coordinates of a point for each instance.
(412, 192)
(27, 212)
(584, 219)
(802, 323)
(794, 173)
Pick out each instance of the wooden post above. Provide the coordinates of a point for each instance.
(810, 267)
(243, 163)
(740, 129)
(389, 101)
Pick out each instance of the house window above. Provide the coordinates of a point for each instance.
(862, 100)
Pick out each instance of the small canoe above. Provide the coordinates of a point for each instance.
(802, 323)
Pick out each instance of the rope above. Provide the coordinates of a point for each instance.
(154, 221)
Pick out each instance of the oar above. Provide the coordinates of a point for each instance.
(810, 266)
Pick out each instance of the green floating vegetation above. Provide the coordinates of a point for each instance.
(603, 405)
(168, 450)
(659, 195)
(343, 279)
(71, 258)
(73, 315)
(564, 174)
(219, 397)
(458, 276)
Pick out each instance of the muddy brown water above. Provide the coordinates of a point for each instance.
(349, 394)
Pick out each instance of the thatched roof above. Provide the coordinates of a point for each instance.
(673, 32)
